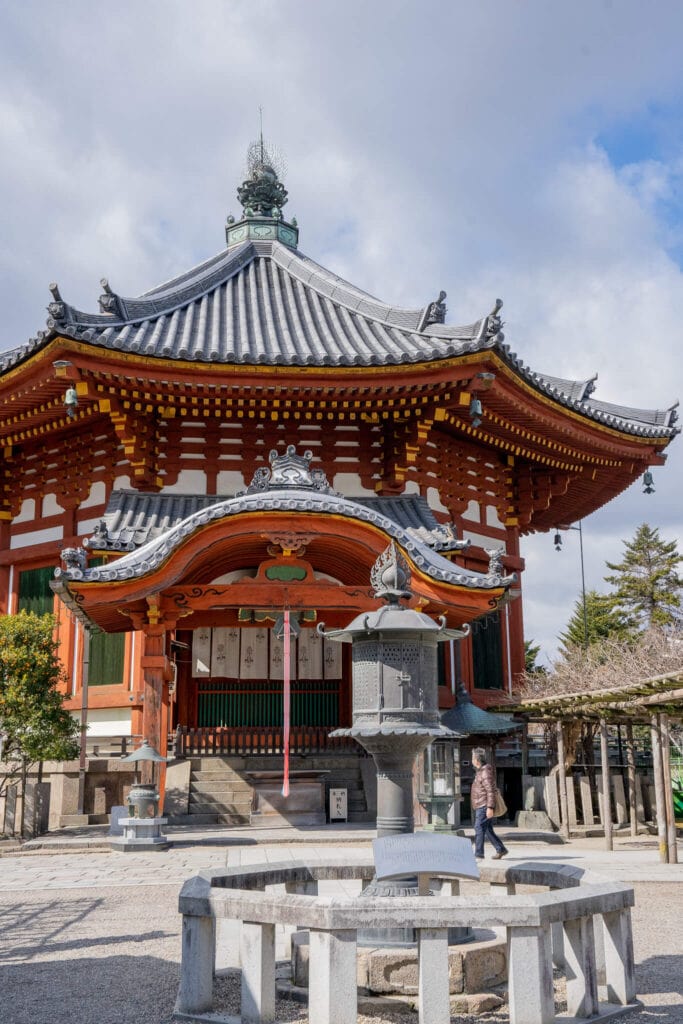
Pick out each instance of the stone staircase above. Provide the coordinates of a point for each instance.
(221, 790)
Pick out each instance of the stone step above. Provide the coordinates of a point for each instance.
(204, 785)
(234, 820)
(240, 810)
(197, 818)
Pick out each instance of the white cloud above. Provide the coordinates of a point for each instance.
(433, 145)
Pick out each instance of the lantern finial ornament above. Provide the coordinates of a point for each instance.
(390, 575)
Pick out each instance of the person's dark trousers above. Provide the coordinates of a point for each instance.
(483, 829)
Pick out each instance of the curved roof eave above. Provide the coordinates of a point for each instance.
(152, 555)
(223, 312)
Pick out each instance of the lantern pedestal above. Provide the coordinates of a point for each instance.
(140, 834)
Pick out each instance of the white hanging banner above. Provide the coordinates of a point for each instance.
(277, 656)
(225, 652)
(254, 653)
(201, 652)
(332, 658)
(310, 654)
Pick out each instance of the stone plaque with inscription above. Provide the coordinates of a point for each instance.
(422, 853)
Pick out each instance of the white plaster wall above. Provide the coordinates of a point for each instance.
(87, 526)
(483, 542)
(97, 496)
(107, 721)
(24, 540)
(229, 482)
(190, 481)
(51, 506)
(434, 500)
(350, 486)
(492, 517)
(27, 512)
(472, 512)
(121, 483)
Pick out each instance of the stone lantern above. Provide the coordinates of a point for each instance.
(395, 688)
(142, 828)
(395, 702)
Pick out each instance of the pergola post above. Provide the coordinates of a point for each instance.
(606, 802)
(631, 775)
(668, 790)
(658, 771)
(564, 806)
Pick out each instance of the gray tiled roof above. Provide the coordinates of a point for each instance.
(466, 718)
(133, 518)
(154, 552)
(264, 303)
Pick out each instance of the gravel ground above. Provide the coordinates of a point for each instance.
(111, 955)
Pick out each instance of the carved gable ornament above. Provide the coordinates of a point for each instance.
(287, 472)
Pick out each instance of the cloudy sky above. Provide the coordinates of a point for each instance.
(527, 149)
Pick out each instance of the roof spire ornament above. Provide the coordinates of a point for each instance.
(262, 196)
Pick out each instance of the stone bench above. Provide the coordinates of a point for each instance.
(560, 924)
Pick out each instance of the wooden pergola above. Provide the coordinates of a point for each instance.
(654, 703)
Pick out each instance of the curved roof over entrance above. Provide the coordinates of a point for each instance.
(148, 558)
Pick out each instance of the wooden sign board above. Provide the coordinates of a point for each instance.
(424, 853)
(339, 805)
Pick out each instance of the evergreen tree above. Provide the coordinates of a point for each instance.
(647, 587)
(531, 653)
(602, 621)
(34, 725)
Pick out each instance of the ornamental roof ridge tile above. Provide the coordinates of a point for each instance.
(154, 552)
(133, 517)
(642, 422)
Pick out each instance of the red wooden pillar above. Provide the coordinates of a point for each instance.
(155, 671)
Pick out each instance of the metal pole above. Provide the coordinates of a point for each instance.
(85, 675)
(631, 775)
(606, 802)
(658, 771)
(668, 790)
(583, 591)
(564, 806)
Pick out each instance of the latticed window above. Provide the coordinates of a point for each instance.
(34, 591)
(487, 652)
(106, 653)
(106, 659)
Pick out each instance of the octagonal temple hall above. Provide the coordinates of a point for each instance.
(246, 439)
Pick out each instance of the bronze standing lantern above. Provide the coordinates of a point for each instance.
(395, 705)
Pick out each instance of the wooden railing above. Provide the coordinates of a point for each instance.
(222, 740)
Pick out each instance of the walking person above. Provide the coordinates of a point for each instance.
(483, 802)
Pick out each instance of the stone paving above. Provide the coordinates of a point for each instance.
(93, 937)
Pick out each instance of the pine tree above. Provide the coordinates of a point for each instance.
(647, 587)
(531, 653)
(602, 621)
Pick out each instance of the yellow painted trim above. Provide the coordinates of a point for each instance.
(350, 375)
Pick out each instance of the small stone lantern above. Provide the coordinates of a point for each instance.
(142, 829)
(439, 784)
(143, 799)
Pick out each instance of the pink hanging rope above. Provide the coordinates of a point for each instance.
(286, 695)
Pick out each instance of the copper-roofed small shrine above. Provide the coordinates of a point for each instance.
(248, 437)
